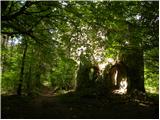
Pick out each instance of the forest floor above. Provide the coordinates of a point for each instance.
(48, 105)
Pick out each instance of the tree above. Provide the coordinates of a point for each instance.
(19, 90)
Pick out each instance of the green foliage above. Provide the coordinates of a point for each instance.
(9, 82)
(151, 81)
(63, 75)
(10, 67)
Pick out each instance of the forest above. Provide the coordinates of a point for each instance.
(79, 59)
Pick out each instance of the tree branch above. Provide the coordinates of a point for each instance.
(21, 11)
(10, 33)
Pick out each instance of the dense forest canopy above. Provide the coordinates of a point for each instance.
(50, 43)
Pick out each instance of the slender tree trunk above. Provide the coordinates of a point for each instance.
(19, 90)
(4, 55)
(38, 79)
(29, 81)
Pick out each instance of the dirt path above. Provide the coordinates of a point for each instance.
(70, 106)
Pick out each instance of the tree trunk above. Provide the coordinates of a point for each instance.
(29, 82)
(4, 53)
(82, 77)
(133, 58)
(19, 90)
(38, 79)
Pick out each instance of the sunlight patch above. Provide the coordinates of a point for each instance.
(123, 88)
(46, 83)
(110, 60)
(115, 77)
(123, 84)
(102, 66)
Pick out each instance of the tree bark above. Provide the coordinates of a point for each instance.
(133, 58)
(135, 68)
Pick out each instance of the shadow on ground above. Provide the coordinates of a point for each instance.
(72, 106)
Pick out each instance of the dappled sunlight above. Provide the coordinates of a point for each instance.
(102, 66)
(15, 41)
(79, 59)
(115, 77)
(123, 88)
(46, 83)
(80, 50)
(110, 60)
(123, 84)
(105, 63)
(152, 90)
(120, 91)
(127, 42)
